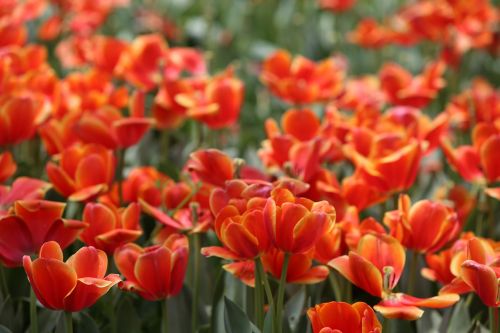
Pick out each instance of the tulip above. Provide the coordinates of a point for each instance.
(30, 224)
(211, 166)
(110, 227)
(343, 317)
(376, 267)
(302, 81)
(72, 285)
(156, 272)
(7, 166)
(425, 226)
(83, 172)
(295, 224)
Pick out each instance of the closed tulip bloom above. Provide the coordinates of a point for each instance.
(342, 317)
(156, 272)
(425, 226)
(31, 223)
(83, 172)
(110, 227)
(296, 224)
(72, 285)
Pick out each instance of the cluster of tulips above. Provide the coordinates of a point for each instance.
(354, 177)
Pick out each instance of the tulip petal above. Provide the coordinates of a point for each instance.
(88, 290)
(483, 280)
(152, 270)
(89, 262)
(15, 241)
(125, 258)
(221, 252)
(53, 280)
(399, 312)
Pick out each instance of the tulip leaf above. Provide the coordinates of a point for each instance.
(86, 324)
(235, 320)
(460, 319)
(129, 320)
(4, 329)
(294, 307)
(47, 320)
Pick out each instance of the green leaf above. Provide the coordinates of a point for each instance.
(269, 320)
(87, 324)
(294, 307)
(128, 321)
(460, 319)
(4, 329)
(235, 320)
(47, 320)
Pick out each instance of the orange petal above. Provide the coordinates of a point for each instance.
(302, 124)
(87, 291)
(152, 271)
(89, 262)
(221, 252)
(125, 258)
(483, 280)
(51, 250)
(399, 312)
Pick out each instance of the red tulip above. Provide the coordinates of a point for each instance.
(83, 172)
(110, 227)
(32, 223)
(72, 285)
(156, 272)
(342, 317)
(425, 227)
(211, 166)
(296, 224)
(7, 166)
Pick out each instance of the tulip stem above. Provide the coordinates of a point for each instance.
(3, 283)
(121, 166)
(68, 316)
(334, 282)
(267, 287)
(164, 310)
(195, 246)
(259, 297)
(33, 314)
(494, 327)
(281, 294)
(413, 272)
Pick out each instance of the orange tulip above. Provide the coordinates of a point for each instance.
(211, 166)
(72, 285)
(343, 317)
(19, 117)
(296, 224)
(83, 172)
(300, 80)
(376, 267)
(477, 270)
(125, 131)
(244, 236)
(156, 272)
(110, 227)
(32, 223)
(140, 62)
(424, 227)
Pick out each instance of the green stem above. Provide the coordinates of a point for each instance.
(68, 316)
(119, 177)
(281, 294)
(413, 272)
(259, 299)
(164, 310)
(265, 280)
(493, 312)
(334, 282)
(195, 245)
(33, 314)
(3, 283)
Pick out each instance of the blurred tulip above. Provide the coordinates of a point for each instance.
(83, 172)
(343, 317)
(72, 285)
(23, 188)
(211, 166)
(7, 166)
(110, 227)
(425, 226)
(302, 81)
(30, 224)
(156, 272)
